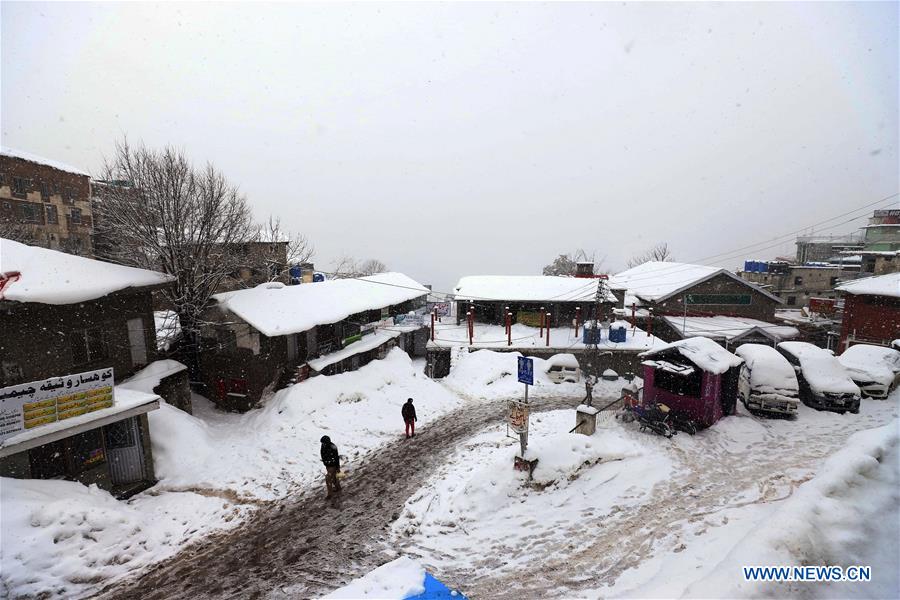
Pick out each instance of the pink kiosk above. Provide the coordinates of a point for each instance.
(695, 376)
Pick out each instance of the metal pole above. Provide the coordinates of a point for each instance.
(541, 334)
(432, 326)
(684, 321)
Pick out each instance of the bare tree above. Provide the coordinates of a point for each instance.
(565, 265)
(163, 213)
(17, 232)
(372, 266)
(347, 266)
(659, 253)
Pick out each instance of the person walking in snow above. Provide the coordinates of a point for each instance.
(409, 418)
(332, 461)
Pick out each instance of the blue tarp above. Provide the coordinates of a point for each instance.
(435, 590)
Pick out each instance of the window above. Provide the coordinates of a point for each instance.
(52, 214)
(68, 195)
(30, 213)
(20, 187)
(88, 345)
(137, 341)
(7, 206)
(738, 299)
(798, 280)
(792, 300)
(683, 385)
(45, 191)
(75, 216)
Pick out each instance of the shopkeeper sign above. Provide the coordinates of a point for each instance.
(30, 405)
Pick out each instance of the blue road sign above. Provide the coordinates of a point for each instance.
(526, 370)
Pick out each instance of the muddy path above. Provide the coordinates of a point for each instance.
(305, 545)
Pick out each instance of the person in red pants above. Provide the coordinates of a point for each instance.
(409, 417)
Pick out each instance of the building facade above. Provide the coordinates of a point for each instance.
(48, 202)
(871, 311)
(797, 284)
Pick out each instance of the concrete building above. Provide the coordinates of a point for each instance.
(73, 330)
(822, 248)
(48, 201)
(880, 254)
(272, 335)
(796, 284)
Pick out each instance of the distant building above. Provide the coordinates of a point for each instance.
(526, 296)
(880, 254)
(47, 200)
(797, 284)
(73, 330)
(821, 248)
(684, 300)
(272, 335)
(871, 311)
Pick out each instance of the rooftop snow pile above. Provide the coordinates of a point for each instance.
(11, 152)
(281, 310)
(150, 376)
(701, 351)
(529, 288)
(871, 363)
(52, 277)
(883, 285)
(728, 328)
(821, 369)
(656, 281)
(770, 372)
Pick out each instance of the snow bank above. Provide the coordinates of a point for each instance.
(488, 375)
(871, 363)
(398, 579)
(268, 452)
(52, 277)
(60, 538)
(821, 369)
(849, 514)
(476, 499)
(703, 352)
(561, 360)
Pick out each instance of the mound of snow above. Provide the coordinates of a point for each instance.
(871, 363)
(398, 579)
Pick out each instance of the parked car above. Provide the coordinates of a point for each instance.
(824, 383)
(767, 382)
(563, 367)
(875, 369)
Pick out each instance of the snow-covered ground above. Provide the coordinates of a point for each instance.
(630, 514)
(448, 333)
(65, 539)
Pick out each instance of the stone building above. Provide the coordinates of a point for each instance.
(47, 201)
(269, 336)
(73, 330)
(797, 284)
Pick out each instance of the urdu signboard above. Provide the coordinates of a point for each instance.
(29, 405)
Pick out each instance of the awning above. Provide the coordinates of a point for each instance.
(129, 403)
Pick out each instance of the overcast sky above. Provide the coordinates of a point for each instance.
(463, 139)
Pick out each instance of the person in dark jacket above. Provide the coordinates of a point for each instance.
(332, 462)
(409, 417)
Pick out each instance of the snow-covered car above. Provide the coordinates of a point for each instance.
(875, 369)
(563, 367)
(824, 383)
(767, 381)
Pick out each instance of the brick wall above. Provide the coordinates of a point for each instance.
(874, 319)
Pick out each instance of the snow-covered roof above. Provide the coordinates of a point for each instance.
(21, 154)
(701, 351)
(150, 376)
(770, 372)
(821, 370)
(655, 281)
(729, 328)
(871, 363)
(368, 342)
(529, 288)
(882, 285)
(277, 309)
(52, 277)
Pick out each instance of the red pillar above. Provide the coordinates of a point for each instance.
(469, 325)
(649, 322)
(509, 329)
(432, 326)
(633, 318)
(548, 330)
(577, 319)
(541, 334)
